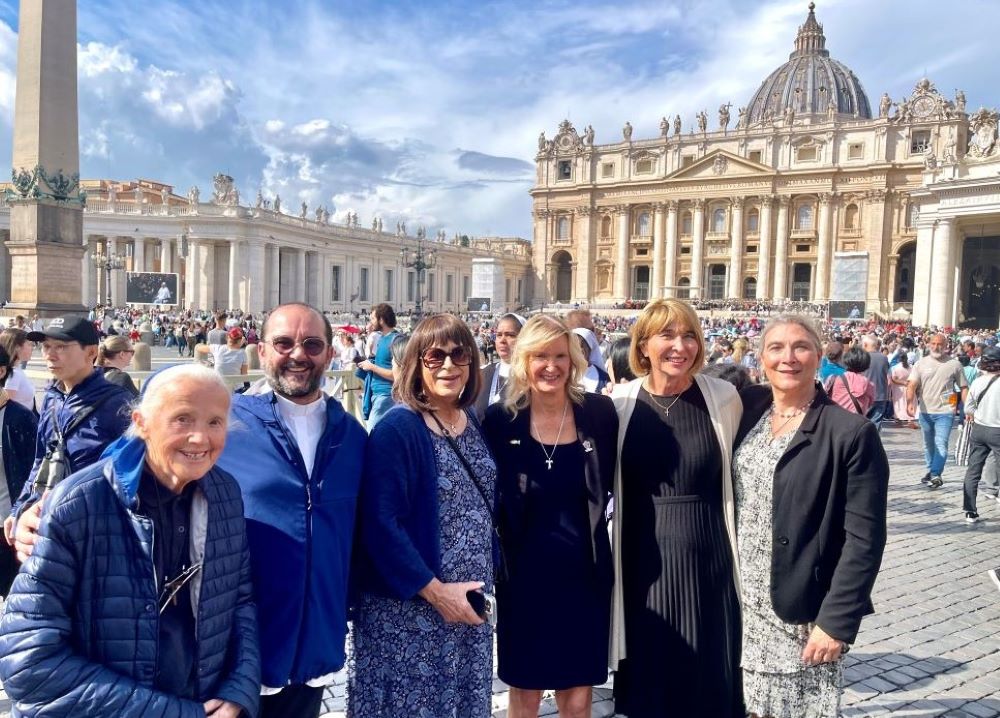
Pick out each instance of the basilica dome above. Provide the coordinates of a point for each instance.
(810, 83)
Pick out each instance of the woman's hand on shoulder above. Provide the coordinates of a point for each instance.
(821, 648)
(449, 599)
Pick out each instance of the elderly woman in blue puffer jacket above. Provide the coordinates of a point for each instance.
(136, 601)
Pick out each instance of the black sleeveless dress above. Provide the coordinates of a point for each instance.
(682, 627)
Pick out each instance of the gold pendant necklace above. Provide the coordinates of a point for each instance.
(665, 409)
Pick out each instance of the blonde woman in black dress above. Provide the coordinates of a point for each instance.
(555, 449)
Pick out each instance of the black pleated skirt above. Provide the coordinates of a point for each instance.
(682, 626)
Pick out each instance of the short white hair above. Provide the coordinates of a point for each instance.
(151, 398)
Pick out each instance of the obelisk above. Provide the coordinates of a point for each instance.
(46, 217)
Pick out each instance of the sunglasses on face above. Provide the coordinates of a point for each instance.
(434, 358)
(313, 346)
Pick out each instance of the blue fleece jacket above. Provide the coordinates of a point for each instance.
(300, 529)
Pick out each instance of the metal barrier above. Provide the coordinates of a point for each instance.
(341, 384)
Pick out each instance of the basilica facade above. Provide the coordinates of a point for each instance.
(254, 255)
(809, 191)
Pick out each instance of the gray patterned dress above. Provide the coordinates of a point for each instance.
(775, 681)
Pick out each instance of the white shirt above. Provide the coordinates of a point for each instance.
(306, 423)
(20, 389)
(500, 377)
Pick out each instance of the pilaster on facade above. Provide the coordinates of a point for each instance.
(586, 248)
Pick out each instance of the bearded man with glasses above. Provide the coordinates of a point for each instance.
(297, 456)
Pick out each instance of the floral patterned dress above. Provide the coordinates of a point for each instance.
(775, 681)
(409, 663)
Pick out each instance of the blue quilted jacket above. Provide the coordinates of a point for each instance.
(79, 631)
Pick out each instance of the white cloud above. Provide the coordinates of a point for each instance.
(430, 111)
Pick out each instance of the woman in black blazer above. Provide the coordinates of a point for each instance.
(555, 449)
(811, 488)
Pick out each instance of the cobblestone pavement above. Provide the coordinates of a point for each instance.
(933, 646)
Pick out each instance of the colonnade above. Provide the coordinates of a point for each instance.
(606, 245)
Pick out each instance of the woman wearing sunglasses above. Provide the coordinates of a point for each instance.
(556, 448)
(426, 527)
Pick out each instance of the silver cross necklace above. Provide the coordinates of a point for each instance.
(548, 455)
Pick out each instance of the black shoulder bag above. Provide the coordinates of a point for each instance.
(56, 465)
(502, 573)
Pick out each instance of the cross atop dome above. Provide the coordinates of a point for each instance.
(810, 39)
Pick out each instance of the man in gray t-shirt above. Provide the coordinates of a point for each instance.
(218, 335)
(932, 385)
(878, 374)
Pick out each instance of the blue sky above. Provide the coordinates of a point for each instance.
(429, 111)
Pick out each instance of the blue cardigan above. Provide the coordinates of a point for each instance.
(398, 516)
(400, 531)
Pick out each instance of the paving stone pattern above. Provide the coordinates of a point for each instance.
(933, 646)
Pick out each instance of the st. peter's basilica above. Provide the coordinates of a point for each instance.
(809, 191)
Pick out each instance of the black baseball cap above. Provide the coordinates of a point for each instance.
(68, 329)
(991, 353)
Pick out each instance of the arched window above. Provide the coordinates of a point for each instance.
(686, 224)
(719, 219)
(643, 225)
(804, 217)
(749, 288)
(683, 291)
(606, 226)
(851, 216)
(562, 228)
(753, 221)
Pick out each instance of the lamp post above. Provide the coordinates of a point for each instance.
(108, 263)
(419, 259)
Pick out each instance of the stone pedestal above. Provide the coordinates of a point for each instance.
(46, 256)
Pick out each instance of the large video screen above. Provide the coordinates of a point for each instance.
(151, 288)
(479, 304)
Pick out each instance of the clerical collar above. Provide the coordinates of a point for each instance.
(290, 408)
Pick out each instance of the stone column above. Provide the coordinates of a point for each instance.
(87, 294)
(670, 262)
(192, 273)
(879, 287)
(764, 249)
(621, 265)
(585, 242)
(942, 283)
(697, 247)
(209, 294)
(166, 255)
(139, 254)
(781, 250)
(274, 276)
(234, 275)
(656, 279)
(539, 256)
(300, 275)
(922, 271)
(736, 250)
(824, 252)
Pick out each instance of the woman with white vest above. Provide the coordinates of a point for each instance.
(676, 617)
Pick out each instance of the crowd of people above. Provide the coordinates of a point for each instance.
(697, 505)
